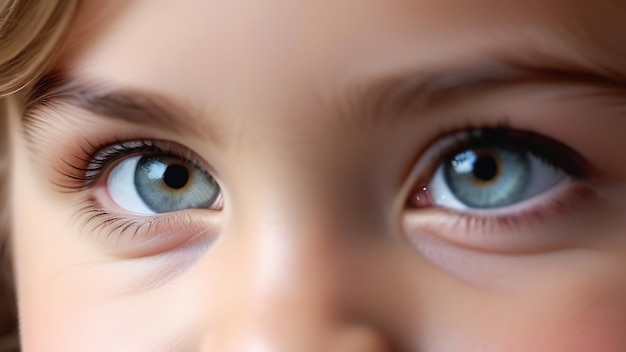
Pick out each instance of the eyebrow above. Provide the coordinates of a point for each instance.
(376, 100)
(405, 95)
(124, 105)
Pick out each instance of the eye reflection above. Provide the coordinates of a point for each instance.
(487, 177)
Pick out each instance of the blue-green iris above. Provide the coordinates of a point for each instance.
(488, 177)
(167, 184)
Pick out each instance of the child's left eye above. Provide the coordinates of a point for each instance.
(153, 183)
(494, 168)
(492, 177)
(480, 187)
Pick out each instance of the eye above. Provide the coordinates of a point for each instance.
(495, 168)
(492, 177)
(156, 183)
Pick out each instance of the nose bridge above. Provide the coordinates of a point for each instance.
(288, 237)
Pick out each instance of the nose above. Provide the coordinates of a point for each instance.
(289, 291)
(344, 339)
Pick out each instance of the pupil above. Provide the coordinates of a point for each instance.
(176, 176)
(485, 168)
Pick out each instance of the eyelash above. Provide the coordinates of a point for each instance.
(550, 151)
(514, 233)
(100, 220)
(104, 225)
(87, 169)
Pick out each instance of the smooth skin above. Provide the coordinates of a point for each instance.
(315, 248)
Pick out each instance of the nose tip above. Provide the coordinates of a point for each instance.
(347, 339)
(362, 339)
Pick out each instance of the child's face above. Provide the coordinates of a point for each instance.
(287, 146)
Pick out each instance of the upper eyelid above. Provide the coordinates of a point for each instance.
(85, 168)
(102, 156)
(541, 145)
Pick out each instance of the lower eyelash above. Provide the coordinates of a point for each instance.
(137, 236)
(548, 150)
(483, 232)
(103, 224)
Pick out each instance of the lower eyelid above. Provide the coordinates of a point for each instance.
(129, 236)
(531, 226)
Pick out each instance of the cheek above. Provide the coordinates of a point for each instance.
(590, 316)
(86, 320)
(575, 302)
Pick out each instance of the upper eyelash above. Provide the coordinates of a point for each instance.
(86, 169)
(449, 144)
(104, 224)
(551, 151)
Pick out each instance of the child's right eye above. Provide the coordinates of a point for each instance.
(154, 183)
(131, 183)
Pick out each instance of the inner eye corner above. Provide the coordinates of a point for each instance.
(418, 197)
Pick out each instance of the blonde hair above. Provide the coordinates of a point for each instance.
(31, 33)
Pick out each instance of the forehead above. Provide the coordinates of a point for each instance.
(275, 50)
